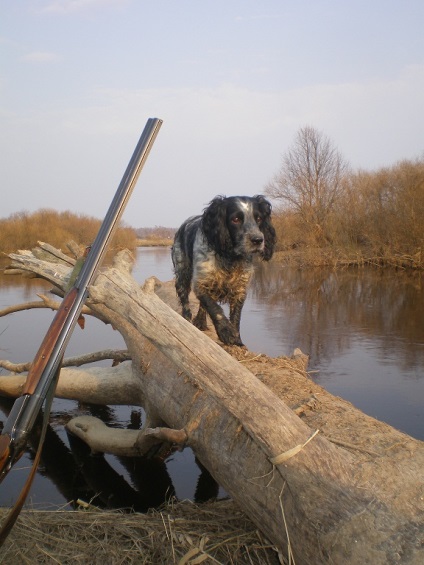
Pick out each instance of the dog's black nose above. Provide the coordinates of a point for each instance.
(256, 239)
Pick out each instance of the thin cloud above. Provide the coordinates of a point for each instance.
(258, 17)
(71, 6)
(41, 57)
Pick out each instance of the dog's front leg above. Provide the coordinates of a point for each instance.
(200, 319)
(235, 314)
(224, 328)
(183, 291)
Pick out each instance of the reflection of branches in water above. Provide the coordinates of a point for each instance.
(274, 282)
(324, 308)
(57, 463)
(110, 488)
(207, 488)
(79, 474)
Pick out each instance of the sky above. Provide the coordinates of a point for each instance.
(233, 81)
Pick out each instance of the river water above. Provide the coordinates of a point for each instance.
(362, 328)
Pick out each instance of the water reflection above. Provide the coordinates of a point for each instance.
(322, 310)
(69, 472)
(363, 330)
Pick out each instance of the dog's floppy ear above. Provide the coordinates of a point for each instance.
(214, 224)
(266, 226)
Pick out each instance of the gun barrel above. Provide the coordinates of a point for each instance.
(45, 368)
(119, 201)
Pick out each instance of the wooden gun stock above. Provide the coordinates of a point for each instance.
(48, 343)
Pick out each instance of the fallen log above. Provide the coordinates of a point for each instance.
(344, 498)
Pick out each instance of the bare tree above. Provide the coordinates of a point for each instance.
(311, 177)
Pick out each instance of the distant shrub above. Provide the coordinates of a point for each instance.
(22, 230)
(378, 218)
(158, 232)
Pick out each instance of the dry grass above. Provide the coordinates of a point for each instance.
(154, 242)
(180, 533)
(340, 258)
(22, 230)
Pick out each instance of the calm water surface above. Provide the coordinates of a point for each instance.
(363, 330)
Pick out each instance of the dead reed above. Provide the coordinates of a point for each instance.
(23, 230)
(181, 533)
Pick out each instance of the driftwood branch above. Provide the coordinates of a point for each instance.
(336, 505)
(22, 307)
(47, 251)
(95, 385)
(128, 443)
(117, 356)
(45, 302)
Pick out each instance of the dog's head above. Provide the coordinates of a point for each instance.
(238, 226)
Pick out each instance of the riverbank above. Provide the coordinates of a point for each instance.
(340, 258)
(154, 242)
(325, 257)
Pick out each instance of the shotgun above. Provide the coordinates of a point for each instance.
(42, 377)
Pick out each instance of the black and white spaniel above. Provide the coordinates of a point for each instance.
(213, 254)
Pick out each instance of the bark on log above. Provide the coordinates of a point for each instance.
(317, 502)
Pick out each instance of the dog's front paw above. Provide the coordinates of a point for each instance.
(229, 336)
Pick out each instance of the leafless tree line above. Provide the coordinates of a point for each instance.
(322, 202)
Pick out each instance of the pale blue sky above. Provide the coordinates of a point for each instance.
(232, 80)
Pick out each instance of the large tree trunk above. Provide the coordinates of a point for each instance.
(357, 502)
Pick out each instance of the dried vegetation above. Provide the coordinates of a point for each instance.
(180, 533)
(22, 230)
(329, 215)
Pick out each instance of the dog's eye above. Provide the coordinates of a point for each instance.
(258, 219)
(236, 220)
